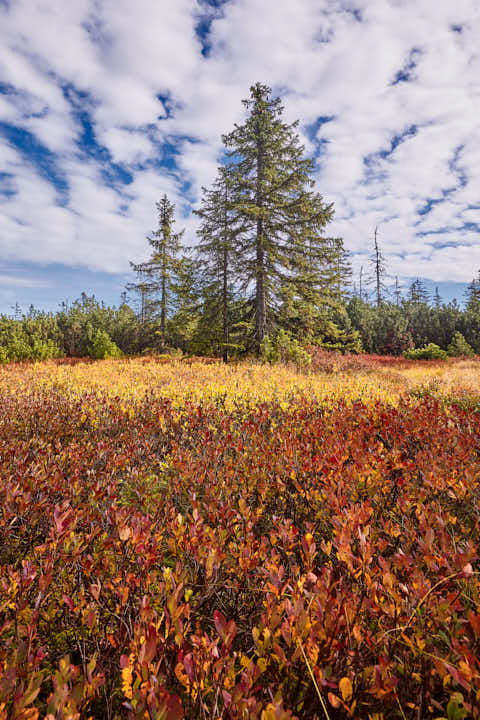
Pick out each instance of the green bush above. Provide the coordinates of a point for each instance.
(17, 349)
(33, 337)
(103, 347)
(45, 350)
(427, 352)
(459, 347)
(20, 348)
(283, 348)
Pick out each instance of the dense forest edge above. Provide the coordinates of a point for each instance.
(88, 328)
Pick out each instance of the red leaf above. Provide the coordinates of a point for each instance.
(68, 601)
(188, 665)
(227, 631)
(220, 623)
(474, 621)
(174, 708)
(62, 520)
(227, 698)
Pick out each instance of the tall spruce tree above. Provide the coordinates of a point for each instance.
(184, 301)
(318, 291)
(217, 233)
(280, 219)
(157, 275)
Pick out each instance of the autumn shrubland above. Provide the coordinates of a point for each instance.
(244, 541)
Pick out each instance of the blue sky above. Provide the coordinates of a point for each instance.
(107, 104)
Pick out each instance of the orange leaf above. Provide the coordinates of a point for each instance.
(334, 700)
(346, 688)
(124, 532)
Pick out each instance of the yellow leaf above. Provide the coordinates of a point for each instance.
(420, 643)
(127, 681)
(345, 687)
(245, 660)
(326, 547)
(262, 664)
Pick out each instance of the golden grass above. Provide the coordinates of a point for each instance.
(245, 383)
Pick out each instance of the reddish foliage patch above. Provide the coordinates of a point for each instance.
(327, 361)
(272, 564)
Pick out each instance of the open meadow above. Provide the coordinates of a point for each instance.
(194, 540)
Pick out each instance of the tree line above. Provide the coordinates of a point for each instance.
(263, 272)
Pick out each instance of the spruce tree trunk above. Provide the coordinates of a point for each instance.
(163, 306)
(225, 305)
(260, 320)
(225, 284)
(163, 311)
(260, 303)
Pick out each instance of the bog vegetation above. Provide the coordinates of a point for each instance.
(193, 540)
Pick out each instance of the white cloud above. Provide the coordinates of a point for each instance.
(325, 60)
(127, 146)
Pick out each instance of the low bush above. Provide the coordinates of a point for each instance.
(281, 347)
(103, 347)
(459, 347)
(22, 348)
(428, 352)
